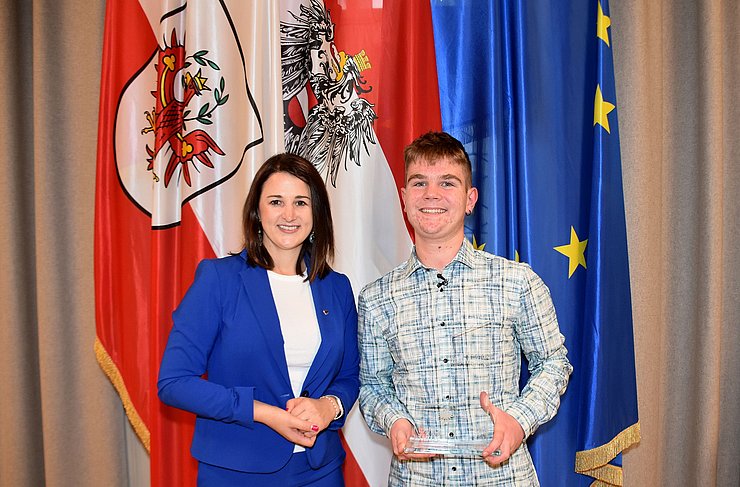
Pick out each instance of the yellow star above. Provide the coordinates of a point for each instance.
(476, 246)
(602, 23)
(602, 109)
(516, 256)
(574, 251)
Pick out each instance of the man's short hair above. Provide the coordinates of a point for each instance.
(435, 146)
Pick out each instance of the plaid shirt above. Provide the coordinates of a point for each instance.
(429, 347)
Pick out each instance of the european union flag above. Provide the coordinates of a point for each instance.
(528, 87)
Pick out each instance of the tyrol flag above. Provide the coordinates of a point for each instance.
(196, 95)
(189, 109)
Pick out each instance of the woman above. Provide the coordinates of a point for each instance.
(275, 330)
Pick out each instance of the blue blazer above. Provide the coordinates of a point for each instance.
(227, 327)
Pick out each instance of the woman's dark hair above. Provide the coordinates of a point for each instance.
(322, 248)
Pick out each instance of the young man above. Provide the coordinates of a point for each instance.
(441, 338)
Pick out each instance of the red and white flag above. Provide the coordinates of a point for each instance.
(359, 83)
(190, 106)
(195, 96)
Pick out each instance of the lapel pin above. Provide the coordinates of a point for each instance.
(326, 312)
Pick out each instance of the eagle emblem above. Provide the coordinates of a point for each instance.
(170, 115)
(339, 126)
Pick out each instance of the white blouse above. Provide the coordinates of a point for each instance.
(299, 325)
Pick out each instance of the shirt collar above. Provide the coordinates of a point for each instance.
(465, 256)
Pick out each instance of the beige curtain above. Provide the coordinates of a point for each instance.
(61, 424)
(678, 84)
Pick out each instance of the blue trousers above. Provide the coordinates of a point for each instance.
(296, 473)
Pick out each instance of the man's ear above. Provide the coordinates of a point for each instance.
(472, 199)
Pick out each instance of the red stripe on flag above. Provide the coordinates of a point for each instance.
(408, 99)
(353, 476)
(175, 255)
(122, 231)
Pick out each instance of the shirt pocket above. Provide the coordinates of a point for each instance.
(409, 343)
(489, 350)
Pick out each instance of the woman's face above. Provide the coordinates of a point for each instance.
(285, 213)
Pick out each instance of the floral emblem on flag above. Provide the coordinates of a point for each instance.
(338, 126)
(170, 114)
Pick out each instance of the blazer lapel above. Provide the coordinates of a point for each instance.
(329, 317)
(258, 291)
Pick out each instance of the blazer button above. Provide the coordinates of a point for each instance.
(304, 394)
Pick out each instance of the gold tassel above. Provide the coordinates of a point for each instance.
(110, 369)
(595, 462)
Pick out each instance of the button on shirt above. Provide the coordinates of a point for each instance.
(431, 341)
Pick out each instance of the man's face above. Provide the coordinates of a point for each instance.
(436, 198)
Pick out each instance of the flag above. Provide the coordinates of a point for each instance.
(528, 87)
(347, 87)
(189, 108)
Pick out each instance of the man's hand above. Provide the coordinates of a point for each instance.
(401, 431)
(507, 433)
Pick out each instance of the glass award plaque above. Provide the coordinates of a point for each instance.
(444, 446)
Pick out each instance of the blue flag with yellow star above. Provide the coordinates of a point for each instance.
(528, 87)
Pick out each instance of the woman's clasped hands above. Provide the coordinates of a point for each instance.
(292, 428)
(319, 412)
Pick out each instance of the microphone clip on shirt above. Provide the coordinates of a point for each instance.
(442, 282)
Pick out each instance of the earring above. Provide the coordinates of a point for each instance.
(468, 212)
(311, 237)
(259, 234)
